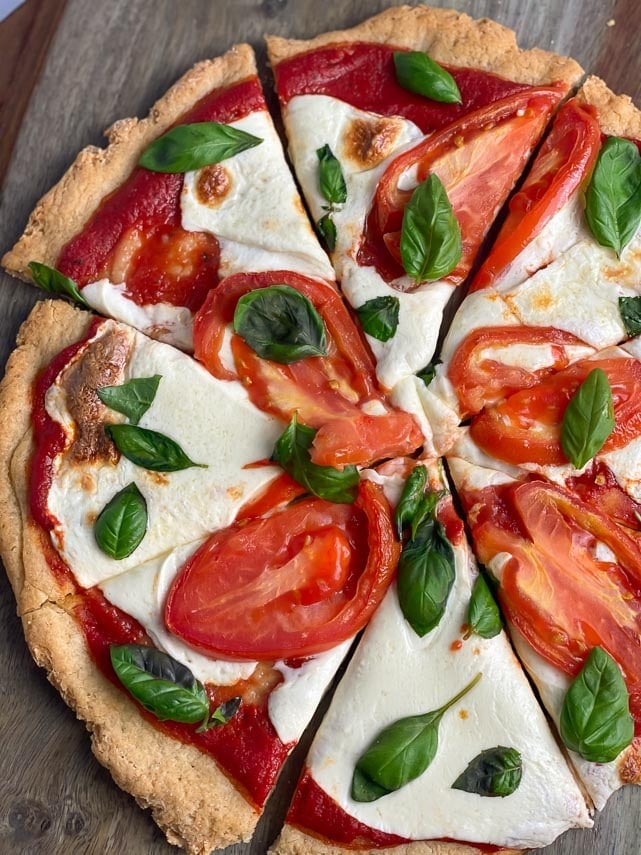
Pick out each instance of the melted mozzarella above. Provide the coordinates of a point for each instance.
(437, 420)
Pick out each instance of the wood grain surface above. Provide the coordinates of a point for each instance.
(112, 59)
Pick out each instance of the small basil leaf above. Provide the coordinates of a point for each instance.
(630, 311)
(133, 399)
(431, 235)
(187, 147)
(379, 317)
(221, 715)
(483, 614)
(595, 717)
(418, 73)
(150, 449)
(292, 453)
(613, 198)
(281, 324)
(493, 772)
(53, 282)
(410, 500)
(327, 230)
(330, 177)
(588, 419)
(160, 683)
(122, 523)
(401, 752)
(428, 373)
(426, 574)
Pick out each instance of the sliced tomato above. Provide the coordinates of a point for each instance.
(291, 584)
(555, 588)
(598, 488)
(481, 379)
(328, 393)
(565, 160)
(526, 427)
(478, 158)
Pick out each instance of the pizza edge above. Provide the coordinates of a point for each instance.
(618, 115)
(97, 172)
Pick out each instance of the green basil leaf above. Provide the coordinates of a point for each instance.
(53, 282)
(330, 177)
(428, 373)
(150, 449)
(613, 198)
(493, 772)
(431, 235)
(426, 574)
(221, 715)
(160, 683)
(419, 73)
(281, 324)
(401, 752)
(630, 311)
(187, 147)
(133, 399)
(122, 523)
(588, 419)
(379, 317)
(411, 499)
(595, 718)
(292, 452)
(327, 230)
(483, 615)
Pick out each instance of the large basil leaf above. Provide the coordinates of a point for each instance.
(330, 177)
(483, 615)
(493, 772)
(53, 282)
(292, 452)
(379, 317)
(419, 73)
(281, 324)
(133, 399)
(588, 419)
(411, 499)
(122, 523)
(431, 235)
(187, 147)
(327, 230)
(613, 198)
(150, 449)
(595, 718)
(401, 752)
(630, 311)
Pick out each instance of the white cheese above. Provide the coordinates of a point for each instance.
(438, 421)
(479, 309)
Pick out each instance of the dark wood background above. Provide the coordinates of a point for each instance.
(112, 59)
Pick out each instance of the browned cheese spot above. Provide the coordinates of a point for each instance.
(630, 764)
(368, 142)
(213, 185)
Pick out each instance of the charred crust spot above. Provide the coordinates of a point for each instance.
(368, 142)
(213, 184)
(630, 764)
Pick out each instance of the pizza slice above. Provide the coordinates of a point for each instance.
(433, 740)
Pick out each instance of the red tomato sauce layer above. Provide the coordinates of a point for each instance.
(137, 227)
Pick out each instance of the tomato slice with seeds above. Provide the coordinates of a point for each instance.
(565, 160)
(478, 158)
(291, 584)
(336, 394)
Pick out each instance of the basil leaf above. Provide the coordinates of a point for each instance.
(379, 317)
(588, 419)
(292, 453)
(122, 523)
(160, 683)
(613, 198)
(133, 399)
(53, 282)
(425, 576)
(630, 311)
(327, 230)
(281, 324)
(330, 177)
(493, 772)
(431, 235)
(419, 73)
(595, 718)
(150, 449)
(483, 615)
(221, 715)
(411, 498)
(428, 373)
(187, 147)
(401, 752)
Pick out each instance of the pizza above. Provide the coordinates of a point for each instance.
(218, 476)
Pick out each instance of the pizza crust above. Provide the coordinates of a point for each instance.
(618, 116)
(97, 172)
(449, 37)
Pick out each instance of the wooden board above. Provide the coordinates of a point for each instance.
(113, 59)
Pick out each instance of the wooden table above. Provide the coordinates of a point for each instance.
(112, 59)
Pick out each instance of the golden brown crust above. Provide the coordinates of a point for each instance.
(618, 116)
(96, 172)
(449, 37)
